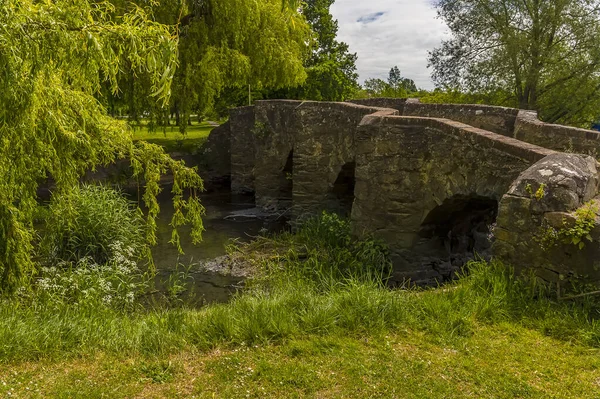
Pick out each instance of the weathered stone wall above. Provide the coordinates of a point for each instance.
(495, 119)
(407, 166)
(242, 126)
(430, 187)
(520, 124)
(528, 213)
(274, 139)
(215, 167)
(384, 102)
(561, 138)
(321, 136)
(499, 120)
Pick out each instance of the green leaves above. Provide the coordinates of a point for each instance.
(575, 233)
(396, 86)
(223, 43)
(540, 55)
(54, 57)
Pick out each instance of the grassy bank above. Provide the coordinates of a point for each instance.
(172, 140)
(317, 323)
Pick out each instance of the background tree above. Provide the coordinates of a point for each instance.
(375, 87)
(223, 43)
(399, 85)
(542, 54)
(330, 67)
(396, 86)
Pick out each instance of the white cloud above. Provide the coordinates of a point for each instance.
(385, 33)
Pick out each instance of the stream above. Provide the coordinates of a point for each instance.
(224, 221)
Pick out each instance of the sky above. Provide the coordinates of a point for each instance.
(385, 33)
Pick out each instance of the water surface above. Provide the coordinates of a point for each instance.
(220, 230)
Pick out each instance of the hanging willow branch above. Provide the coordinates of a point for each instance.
(54, 56)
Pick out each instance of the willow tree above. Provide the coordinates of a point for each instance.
(227, 43)
(54, 56)
(543, 54)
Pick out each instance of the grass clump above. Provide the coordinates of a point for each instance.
(321, 251)
(92, 241)
(92, 221)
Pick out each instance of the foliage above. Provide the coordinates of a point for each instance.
(397, 82)
(222, 44)
(541, 55)
(585, 221)
(89, 221)
(575, 233)
(54, 57)
(322, 250)
(453, 96)
(538, 194)
(330, 67)
(396, 86)
(115, 284)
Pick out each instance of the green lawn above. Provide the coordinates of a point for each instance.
(172, 140)
(501, 361)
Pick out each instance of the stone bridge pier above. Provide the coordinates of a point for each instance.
(426, 179)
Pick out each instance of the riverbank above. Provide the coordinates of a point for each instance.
(316, 321)
(172, 140)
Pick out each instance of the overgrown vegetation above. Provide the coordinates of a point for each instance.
(324, 283)
(221, 44)
(54, 58)
(576, 231)
(93, 222)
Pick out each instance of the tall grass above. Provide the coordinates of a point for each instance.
(89, 221)
(292, 308)
(307, 291)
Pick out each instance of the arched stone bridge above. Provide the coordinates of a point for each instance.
(427, 179)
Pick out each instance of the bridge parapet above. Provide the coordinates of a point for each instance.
(523, 125)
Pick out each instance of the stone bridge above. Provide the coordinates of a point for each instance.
(438, 183)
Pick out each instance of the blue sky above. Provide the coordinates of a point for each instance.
(385, 33)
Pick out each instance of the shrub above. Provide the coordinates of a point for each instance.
(324, 251)
(92, 222)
